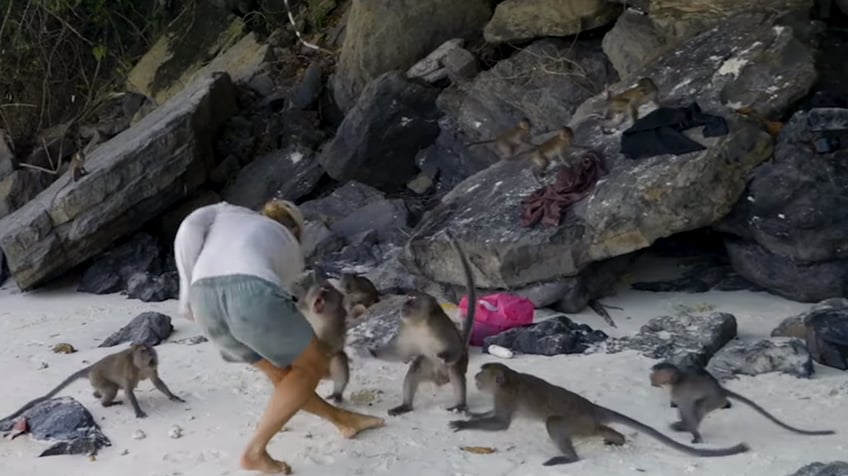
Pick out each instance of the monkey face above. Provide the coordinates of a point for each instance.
(144, 356)
(490, 377)
(418, 304)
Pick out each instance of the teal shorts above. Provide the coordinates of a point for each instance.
(249, 318)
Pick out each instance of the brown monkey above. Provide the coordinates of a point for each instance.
(695, 393)
(359, 293)
(77, 166)
(438, 350)
(508, 142)
(627, 102)
(323, 307)
(121, 370)
(550, 150)
(566, 414)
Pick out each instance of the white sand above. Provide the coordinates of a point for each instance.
(225, 400)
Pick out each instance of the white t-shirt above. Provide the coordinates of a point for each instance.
(225, 239)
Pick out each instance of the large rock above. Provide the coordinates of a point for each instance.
(111, 271)
(778, 354)
(520, 20)
(790, 228)
(633, 43)
(386, 35)
(7, 158)
(132, 178)
(639, 200)
(827, 337)
(288, 173)
(834, 468)
(684, 339)
(378, 139)
(19, 187)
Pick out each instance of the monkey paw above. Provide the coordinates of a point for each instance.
(177, 399)
(557, 460)
(678, 426)
(400, 410)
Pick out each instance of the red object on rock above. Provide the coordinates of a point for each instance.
(497, 313)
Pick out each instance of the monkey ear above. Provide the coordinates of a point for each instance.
(318, 304)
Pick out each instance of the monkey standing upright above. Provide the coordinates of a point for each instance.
(323, 308)
(439, 351)
(626, 104)
(121, 370)
(566, 414)
(508, 141)
(695, 393)
(359, 293)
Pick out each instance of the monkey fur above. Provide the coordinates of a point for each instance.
(509, 141)
(359, 293)
(121, 370)
(625, 105)
(437, 349)
(77, 166)
(550, 150)
(323, 307)
(695, 393)
(566, 414)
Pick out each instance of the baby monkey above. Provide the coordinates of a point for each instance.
(359, 293)
(324, 309)
(509, 141)
(566, 414)
(122, 370)
(428, 337)
(695, 393)
(626, 103)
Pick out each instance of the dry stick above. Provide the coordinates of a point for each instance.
(297, 31)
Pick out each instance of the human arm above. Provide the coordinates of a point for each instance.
(188, 243)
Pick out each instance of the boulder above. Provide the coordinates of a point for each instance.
(683, 339)
(788, 231)
(288, 173)
(386, 35)
(639, 200)
(834, 468)
(111, 271)
(132, 178)
(378, 139)
(827, 337)
(520, 20)
(779, 354)
(794, 326)
(633, 43)
(432, 68)
(150, 287)
(150, 328)
(19, 187)
(7, 158)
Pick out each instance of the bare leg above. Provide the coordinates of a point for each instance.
(559, 434)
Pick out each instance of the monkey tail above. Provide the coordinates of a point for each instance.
(472, 295)
(74, 376)
(637, 425)
(771, 417)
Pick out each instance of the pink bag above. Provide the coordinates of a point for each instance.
(497, 313)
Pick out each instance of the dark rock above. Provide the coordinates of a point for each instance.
(633, 43)
(140, 173)
(521, 20)
(827, 337)
(150, 328)
(557, 335)
(834, 468)
(289, 173)
(789, 229)
(701, 278)
(406, 30)
(4, 271)
(461, 65)
(378, 139)
(794, 326)
(778, 354)
(225, 171)
(19, 187)
(306, 92)
(110, 273)
(7, 158)
(344, 200)
(319, 241)
(684, 339)
(64, 421)
(149, 287)
(377, 326)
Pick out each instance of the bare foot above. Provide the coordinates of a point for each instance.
(263, 463)
(360, 423)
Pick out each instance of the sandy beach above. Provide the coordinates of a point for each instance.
(224, 401)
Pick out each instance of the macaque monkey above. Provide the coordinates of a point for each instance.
(626, 103)
(550, 150)
(430, 339)
(77, 166)
(121, 370)
(509, 141)
(695, 393)
(359, 293)
(566, 414)
(324, 309)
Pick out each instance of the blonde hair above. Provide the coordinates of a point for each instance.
(285, 213)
